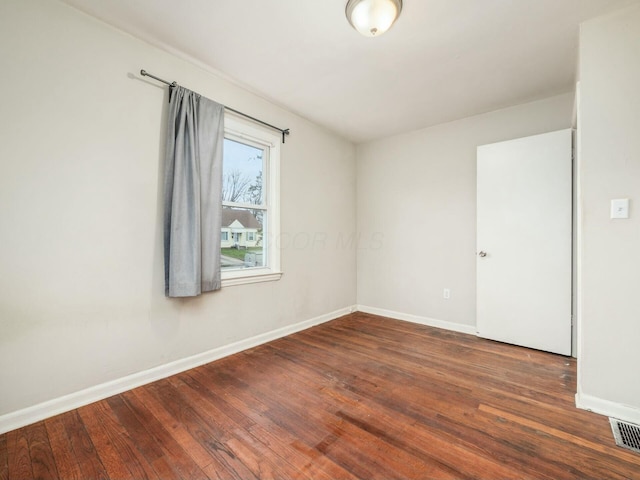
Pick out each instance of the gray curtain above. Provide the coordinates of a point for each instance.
(192, 194)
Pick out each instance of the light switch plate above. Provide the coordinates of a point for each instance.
(620, 208)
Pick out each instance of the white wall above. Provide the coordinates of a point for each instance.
(609, 123)
(81, 285)
(417, 212)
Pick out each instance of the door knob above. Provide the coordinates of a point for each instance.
(482, 254)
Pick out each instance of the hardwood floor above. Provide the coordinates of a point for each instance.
(359, 397)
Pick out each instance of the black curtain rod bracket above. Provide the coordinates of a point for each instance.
(144, 73)
(283, 131)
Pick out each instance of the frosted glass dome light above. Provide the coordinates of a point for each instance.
(373, 17)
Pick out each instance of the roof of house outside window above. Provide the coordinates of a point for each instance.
(245, 217)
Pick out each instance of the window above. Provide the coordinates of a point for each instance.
(250, 200)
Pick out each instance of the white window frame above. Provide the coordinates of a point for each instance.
(241, 130)
(251, 236)
(224, 236)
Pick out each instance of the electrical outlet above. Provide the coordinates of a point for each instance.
(620, 208)
(446, 294)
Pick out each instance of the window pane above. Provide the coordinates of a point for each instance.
(243, 241)
(242, 173)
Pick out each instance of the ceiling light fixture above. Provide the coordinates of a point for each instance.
(373, 17)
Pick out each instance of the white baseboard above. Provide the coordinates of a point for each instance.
(35, 413)
(431, 322)
(608, 408)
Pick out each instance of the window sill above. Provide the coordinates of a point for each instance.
(232, 279)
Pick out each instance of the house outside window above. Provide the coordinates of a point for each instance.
(250, 203)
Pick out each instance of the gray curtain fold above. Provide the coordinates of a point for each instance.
(192, 194)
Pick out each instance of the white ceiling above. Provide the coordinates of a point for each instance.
(442, 60)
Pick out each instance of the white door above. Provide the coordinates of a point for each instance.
(524, 242)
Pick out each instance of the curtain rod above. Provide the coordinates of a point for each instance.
(284, 131)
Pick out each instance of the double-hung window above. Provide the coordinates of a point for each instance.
(250, 203)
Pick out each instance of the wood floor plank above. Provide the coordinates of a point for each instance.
(207, 433)
(251, 455)
(172, 451)
(491, 373)
(358, 397)
(119, 438)
(297, 406)
(178, 431)
(430, 417)
(144, 442)
(66, 461)
(447, 458)
(82, 446)
(249, 420)
(114, 463)
(42, 461)
(4, 458)
(278, 440)
(565, 444)
(18, 458)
